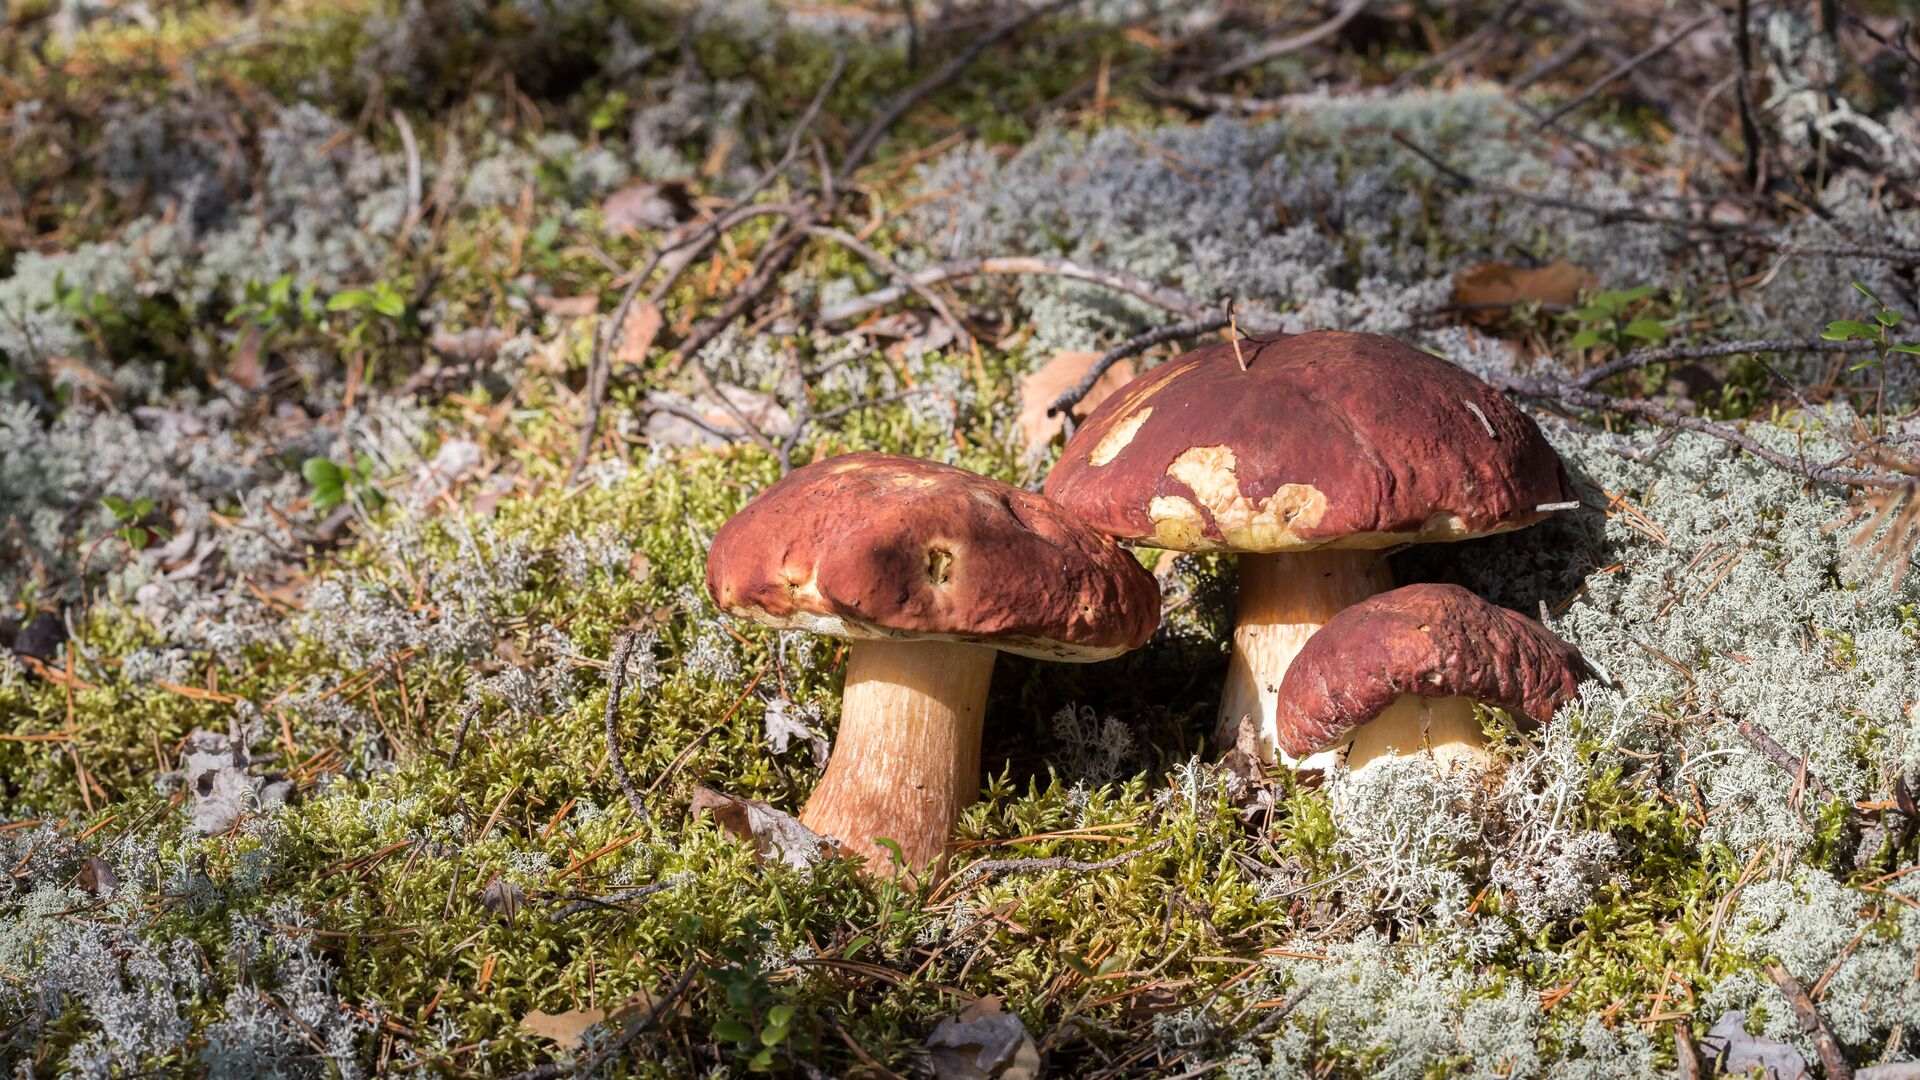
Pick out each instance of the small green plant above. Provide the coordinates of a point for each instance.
(332, 482)
(1879, 331)
(274, 305)
(130, 519)
(1609, 319)
(760, 1029)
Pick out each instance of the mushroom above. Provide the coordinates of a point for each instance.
(1308, 455)
(926, 570)
(1401, 672)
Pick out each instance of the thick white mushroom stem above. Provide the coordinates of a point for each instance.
(907, 758)
(1284, 598)
(1445, 727)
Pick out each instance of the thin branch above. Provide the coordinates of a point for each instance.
(1779, 755)
(467, 714)
(1750, 137)
(1161, 296)
(1735, 232)
(1832, 1058)
(877, 129)
(414, 183)
(1274, 50)
(1570, 394)
(599, 373)
(1640, 358)
(1058, 862)
(1133, 346)
(616, 684)
(583, 903)
(1626, 66)
(893, 270)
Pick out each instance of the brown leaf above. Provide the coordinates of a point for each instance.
(637, 334)
(645, 206)
(502, 897)
(1038, 390)
(1490, 288)
(567, 1027)
(97, 876)
(564, 1028)
(983, 1043)
(773, 833)
(568, 307)
(246, 368)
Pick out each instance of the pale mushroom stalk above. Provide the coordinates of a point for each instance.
(1285, 597)
(907, 758)
(1448, 728)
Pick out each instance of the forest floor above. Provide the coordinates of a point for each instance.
(372, 369)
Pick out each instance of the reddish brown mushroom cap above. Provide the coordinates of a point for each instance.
(1326, 439)
(1435, 641)
(878, 546)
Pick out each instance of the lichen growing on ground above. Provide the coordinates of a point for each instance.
(350, 237)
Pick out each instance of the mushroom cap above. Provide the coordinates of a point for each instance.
(1327, 439)
(878, 546)
(1436, 641)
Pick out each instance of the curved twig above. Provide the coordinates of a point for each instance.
(616, 683)
(1161, 296)
(1274, 50)
(1133, 346)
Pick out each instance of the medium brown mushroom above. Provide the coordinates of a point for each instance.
(1309, 455)
(1401, 672)
(927, 570)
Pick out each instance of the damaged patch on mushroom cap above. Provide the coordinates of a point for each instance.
(878, 546)
(1435, 641)
(1326, 439)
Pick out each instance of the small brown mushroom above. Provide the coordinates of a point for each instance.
(1401, 671)
(927, 570)
(1309, 455)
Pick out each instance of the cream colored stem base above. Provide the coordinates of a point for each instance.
(1446, 727)
(907, 758)
(1284, 598)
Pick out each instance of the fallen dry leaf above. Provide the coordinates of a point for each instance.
(774, 834)
(215, 771)
(637, 333)
(1739, 1053)
(983, 1043)
(566, 1028)
(1489, 289)
(645, 206)
(246, 368)
(669, 424)
(1038, 390)
(568, 307)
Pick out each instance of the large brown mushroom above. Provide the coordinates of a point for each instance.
(1309, 455)
(1401, 672)
(927, 570)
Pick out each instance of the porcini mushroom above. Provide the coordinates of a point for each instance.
(1401, 672)
(927, 570)
(1308, 455)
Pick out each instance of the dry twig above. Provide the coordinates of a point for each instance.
(616, 683)
(1832, 1059)
(1133, 346)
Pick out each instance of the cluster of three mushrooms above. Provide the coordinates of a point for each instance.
(1307, 454)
